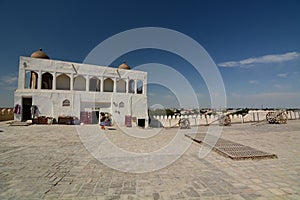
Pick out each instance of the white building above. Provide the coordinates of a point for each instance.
(59, 88)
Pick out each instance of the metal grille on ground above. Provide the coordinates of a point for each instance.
(233, 150)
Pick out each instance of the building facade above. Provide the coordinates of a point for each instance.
(56, 88)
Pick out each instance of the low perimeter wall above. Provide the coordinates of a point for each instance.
(252, 116)
(6, 114)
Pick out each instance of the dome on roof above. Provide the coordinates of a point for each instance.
(124, 66)
(39, 54)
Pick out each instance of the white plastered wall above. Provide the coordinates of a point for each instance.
(49, 102)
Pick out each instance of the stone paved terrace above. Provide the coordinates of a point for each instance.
(50, 162)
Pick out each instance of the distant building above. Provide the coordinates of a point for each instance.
(58, 88)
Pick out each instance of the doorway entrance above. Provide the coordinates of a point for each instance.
(141, 122)
(26, 108)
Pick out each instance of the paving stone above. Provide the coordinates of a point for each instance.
(116, 184)
(293, 196)
(155, 196)
(50, 162)
(276, 191)
(112, 197)
(72, 190)
(128, 192)
(179, 195)
(129, 185)
(190, 192)
(100, 191)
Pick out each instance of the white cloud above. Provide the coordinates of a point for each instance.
(272, 58)
(8, 82)
(157, 106)
(278, 86)
(281, 87)
(253, 81)
(283, 75)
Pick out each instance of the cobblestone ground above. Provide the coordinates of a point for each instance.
(50, 162)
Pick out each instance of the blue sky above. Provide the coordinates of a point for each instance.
(255, 44)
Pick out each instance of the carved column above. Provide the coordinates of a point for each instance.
(127, 85)
(39, 80)
(101, 84)
(71, 81)
(87, 83)
(135, 86)
(54, 81)
(115, 84)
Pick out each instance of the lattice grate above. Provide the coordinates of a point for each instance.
(233, 150)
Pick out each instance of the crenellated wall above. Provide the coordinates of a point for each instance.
(6, 114)
(252, 116)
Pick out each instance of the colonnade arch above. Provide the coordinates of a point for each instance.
(95, 84)
(63, 82)
(67, 81)
(108, 85)
(47, 81)
(131, 87)
(79, 83)
(139, 88)
(121, 86)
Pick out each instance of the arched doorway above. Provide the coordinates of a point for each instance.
(47, 79)
(121, 86)
(63, 82)
(108, 85)
(79, 83)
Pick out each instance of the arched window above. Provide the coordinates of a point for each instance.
(27, 79)
(63, 82)
(121, 86)
(94, 84)
(47, 81)
(79, 83)
(131, 86)
(66, 102)
(108, 85)
(139, 87)
(33, 80)
(121, 104)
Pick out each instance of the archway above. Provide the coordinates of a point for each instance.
(139, 87)
(94, 85)
(47, 79)
(33, 80)
(79, 83)
(121, 86)
(63, 82)
(108, 85)
(131, 86)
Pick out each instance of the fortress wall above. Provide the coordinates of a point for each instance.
(198, 120)
(6, 114)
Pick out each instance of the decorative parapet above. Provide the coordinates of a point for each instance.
(198, 120)
(6, 114)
